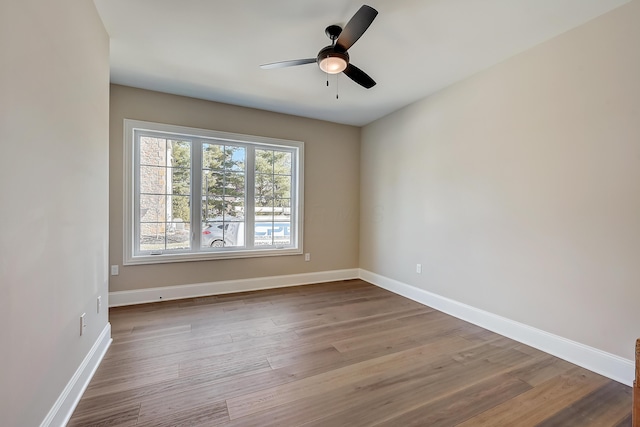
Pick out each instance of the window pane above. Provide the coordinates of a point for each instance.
(234, 208)
(263, 234)
(282, 233)
(212, 157)
(219, 234)
(164, 186)
(152, 208)
(264, 206)
(153, 179)
(282, 163)
(235, 158)
(152, 236)
(234, 184)
(178, 235)
(234, 233)
(227, 193)
(212, 235)
(264, 161)
(213, 183)
(180, 154)
(179, 209)
(180, 182)
(223, 157)
(282, 209)
(282, 187)
(212, 208)
(264, 187)
(153, 151)
(272, 233)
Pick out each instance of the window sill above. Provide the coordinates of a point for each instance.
(208, 256)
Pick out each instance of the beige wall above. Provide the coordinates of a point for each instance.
(332, 158)
(54, 95)
(518, 190)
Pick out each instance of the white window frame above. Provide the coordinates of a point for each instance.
(131, 257)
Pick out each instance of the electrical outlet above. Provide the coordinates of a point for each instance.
(83, 323)
(419, 268)
(307, 257)
(99, 304)
(115, 270)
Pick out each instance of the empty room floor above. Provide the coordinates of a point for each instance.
(337, 354)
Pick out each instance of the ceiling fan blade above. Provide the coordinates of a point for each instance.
(356, 27)
(359, 76)
(291, 63)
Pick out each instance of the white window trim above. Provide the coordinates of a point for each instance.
(130, 258)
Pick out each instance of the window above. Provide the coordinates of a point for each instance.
(195, 194)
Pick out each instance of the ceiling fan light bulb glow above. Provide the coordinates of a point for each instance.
(333, 64)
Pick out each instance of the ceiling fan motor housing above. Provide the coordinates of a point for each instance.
(331, 51)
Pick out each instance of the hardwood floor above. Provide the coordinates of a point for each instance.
(336, 354)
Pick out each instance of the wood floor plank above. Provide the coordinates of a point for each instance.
(433, 350)
(462, 405)
(173, 343)
(310, 386)
(382, 335)
(126, 415)
(357, 326)
(334, 354)
(118, 382)
(533, 407)
(222, 367)
(317, 404)
(211, 414)
(317, 354)
(609, 404)
(205, 393)
(626, 421)
(545, 368)
(399, 395)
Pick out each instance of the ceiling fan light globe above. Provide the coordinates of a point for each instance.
(333, 64)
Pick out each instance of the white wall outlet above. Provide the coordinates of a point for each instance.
(83, 323)
(419, 268)
(115, 270)
(307, 257)
(99, 304)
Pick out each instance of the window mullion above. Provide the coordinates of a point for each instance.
(293, 197)
(196, 195)
(250, 199)
(136, 195)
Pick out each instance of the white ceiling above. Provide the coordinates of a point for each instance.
(212, 49)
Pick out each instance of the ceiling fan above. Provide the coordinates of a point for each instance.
(334, 59)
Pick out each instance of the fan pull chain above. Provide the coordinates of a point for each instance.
(337, 87)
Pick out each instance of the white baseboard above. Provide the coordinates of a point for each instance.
(601, 362)
(62, 410)
(141, 296)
